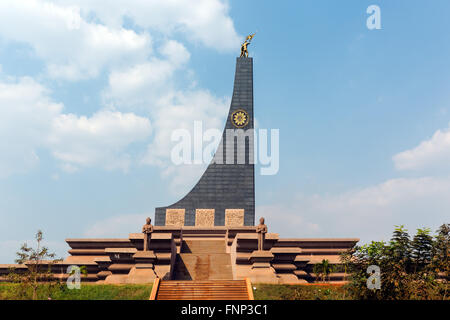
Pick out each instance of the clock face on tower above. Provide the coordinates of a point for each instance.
(240, 118)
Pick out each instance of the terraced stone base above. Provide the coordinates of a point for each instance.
(191, 253)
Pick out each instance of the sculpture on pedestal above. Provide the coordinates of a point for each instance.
(244, 49)
(147, 230)
(261, 229)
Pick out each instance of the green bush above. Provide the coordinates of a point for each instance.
(298, 292)
(411, 269)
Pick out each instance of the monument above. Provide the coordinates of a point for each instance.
(225, 194)
(210, 234)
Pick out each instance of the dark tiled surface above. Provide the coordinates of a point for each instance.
(225, 186)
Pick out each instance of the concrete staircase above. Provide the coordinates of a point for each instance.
(203, 260)
(202, 272)
(203, 290)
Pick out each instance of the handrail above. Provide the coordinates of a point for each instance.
(249, 289)
(155, 289)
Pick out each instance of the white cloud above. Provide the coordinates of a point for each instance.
(76, 46)
(25, 114)
(144, 85)
(176, 53)
(368, 213)
(100, 140)
(203, 21)
(429, 154)
(117, 227)
(71, 47)
(151, 87)
(139, 85)
(80, 39)
(30, 120)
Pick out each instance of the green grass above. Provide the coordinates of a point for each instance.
(299, 292)
(10, 291)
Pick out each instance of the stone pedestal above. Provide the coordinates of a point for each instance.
(121, 264)
(144, 270)
(262, 271)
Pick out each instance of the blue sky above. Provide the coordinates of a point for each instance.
(89, 94)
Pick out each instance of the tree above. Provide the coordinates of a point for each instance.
(400, 245)
(409, 268)
(323, 270)
(441, 256)
(34, 259)
(422, 249)
(356, 262)
(396, 265)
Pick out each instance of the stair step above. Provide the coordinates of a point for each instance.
(206, 285)
(218, 288)
(203, 290)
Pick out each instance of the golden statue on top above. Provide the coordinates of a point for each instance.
(244, 50)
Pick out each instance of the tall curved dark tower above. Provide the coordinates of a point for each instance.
(225, 194)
